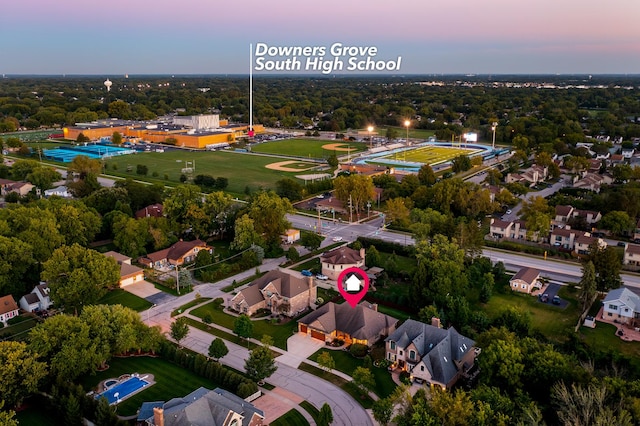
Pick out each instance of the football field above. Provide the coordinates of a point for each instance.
(429, 154)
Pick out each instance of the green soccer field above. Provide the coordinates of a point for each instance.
(309, 148)
(242, 170)
(430, 154)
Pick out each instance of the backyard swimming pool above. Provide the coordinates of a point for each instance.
(123, 390)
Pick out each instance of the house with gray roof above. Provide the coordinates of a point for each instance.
(287, 293)
(435, 355)
(622, 305)
(202, 407)
(362, 324)
(37, 300)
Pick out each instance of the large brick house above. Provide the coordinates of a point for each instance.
(277, 290)
(337, 260)
(362, 324)
(178, 254)
(430, 353)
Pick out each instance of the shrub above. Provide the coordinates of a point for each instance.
(358, 350)
(207, 319)
(405, 377)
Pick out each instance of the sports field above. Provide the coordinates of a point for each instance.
(428, 154)
(309, 148)
(241, 169)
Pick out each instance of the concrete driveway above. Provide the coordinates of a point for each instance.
(552, 290)
(142, 289)
(299, 347)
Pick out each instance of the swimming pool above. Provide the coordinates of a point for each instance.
(123, 390)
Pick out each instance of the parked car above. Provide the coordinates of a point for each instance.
(508, 211)
(337, 239)
(544, 298)
(322, 277)
(306, 273)
(621, 244)
(556, 300)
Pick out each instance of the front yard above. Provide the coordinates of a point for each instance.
(279, 332)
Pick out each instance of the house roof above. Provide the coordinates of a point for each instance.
(154, 210)
(499, 223)
(7, 304)
(43, 289)
(586, 240)
(632, 249)
(341, 256)
(31, 298)
(563, 210)
(120, 258)
(565, 232)
(360, 322)
(285, 284)
(127, 270)
(528, 275)
(176, 251)
(204, 407)
(625, 296)
(438, 348)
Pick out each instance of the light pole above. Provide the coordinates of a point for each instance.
(368, 207)
(493, 129)
(407, 123)
(370, 129)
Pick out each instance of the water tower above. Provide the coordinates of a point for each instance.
(107, 84)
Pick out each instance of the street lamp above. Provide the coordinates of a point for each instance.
(370, 129)
(368, 207)
(493, 129)
(407, 123)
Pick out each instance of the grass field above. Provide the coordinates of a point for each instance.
(428, 154)
(241, 169)
(402, 132)
(171, 380)
(309, 148)
(290, 418)
(124, 298)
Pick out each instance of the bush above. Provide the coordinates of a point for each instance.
(405, 377)
(16, 320)
(207, 319)
(358, 350)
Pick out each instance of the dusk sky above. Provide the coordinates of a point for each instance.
(209, 37)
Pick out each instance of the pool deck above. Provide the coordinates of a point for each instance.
(146, 377)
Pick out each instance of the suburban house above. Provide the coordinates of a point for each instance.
(564, 237)
(291, 236)
(154, 210)
(278, 291)
(337, 260)
(8, 308)
(21, 188)
(636, 233)
(516, 230)
(529, 177)
(362, 324)
(622, 305)
(525, 280)
(631, 255)
(177, 255)
(216, 407)
(500, 228)
(58, 191)
(584, 242)
(428, 352)
(592, 181)
(37, 300)
(565, 213)
(129, 274)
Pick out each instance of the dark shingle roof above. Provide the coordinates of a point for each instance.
(341, 256)
(528, 275)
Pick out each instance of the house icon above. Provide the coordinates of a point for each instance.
(353, 284)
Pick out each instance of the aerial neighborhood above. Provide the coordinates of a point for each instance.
(169, 259)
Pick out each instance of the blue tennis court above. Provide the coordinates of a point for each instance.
(67, 154)
(123, 390)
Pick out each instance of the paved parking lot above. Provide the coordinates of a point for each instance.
(552, 290)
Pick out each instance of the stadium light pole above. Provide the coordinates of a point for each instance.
(493, 129)
(407, 123)
(370, 129)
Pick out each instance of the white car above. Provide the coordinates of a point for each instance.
(508, 211)
(337, 239)
(322, 277)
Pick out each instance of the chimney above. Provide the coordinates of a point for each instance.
(158, 416)
(435, 321)
(374, 306)
(362, 253)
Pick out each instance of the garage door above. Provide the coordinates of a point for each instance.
(303, 328)
(317, 335)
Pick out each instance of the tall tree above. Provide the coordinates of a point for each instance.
(16, 260)
(326, 361)
(179, 329)
(311, 240)
(243, 326)
(220, 209)
(79, 276)
(268, 211)
(354, 189)
(363, 379)
(183, 207)
(383, 410)
(426, 176)
(260, 364)
(20, 374)
(44, 177)
(607, 264)
(245, 233)
(217, 349)
(588, 285)
(325, 417)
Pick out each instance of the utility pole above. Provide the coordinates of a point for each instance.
(178, 279)
(319, 222)
(350, 210)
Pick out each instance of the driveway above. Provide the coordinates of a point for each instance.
(299, 347)
(142, 289)
(552, 290)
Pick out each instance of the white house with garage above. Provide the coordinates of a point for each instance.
(622, 305)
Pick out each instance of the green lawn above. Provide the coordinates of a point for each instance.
(312, 265)
(550, 320)
(604, 338)
(124, 298)
(348, 387)
(311, 409)
(188, 305)
(171, 380)
(19, 331)
(347, 364)
(307, 148)
(221, 334)
(279, 332)
(290, 418)
(242, 170)
(402, 132)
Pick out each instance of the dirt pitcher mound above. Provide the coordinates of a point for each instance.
(337, 147)
(281, 166)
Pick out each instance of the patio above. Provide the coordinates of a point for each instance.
(626, 332)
